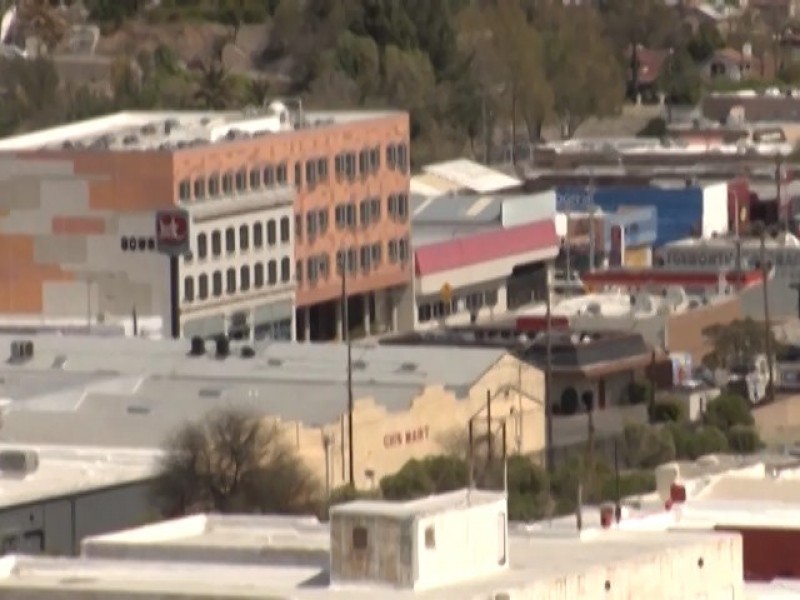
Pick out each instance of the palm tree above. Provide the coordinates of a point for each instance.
(38, 18)
(214, 87)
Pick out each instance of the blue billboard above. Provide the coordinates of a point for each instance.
(679, 211)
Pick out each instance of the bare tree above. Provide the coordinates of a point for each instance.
(233, 461)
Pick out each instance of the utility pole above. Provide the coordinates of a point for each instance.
(783, 213)
(346, 335)
(767, 322)
(485, 127)
(590, 193)
(548, 382)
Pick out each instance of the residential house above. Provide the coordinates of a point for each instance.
(649, 66)
(736, 65)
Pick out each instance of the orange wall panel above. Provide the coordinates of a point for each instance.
(23, 279)
(67, 225)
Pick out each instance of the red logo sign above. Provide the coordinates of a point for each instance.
(400, 438)
(172, 229)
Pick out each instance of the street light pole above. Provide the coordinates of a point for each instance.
(767, 321)
(346, 337)
(548, 381)
(591, 223)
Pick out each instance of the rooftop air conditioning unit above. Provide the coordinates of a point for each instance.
(223, 347)
(198, 346)
(21, 350)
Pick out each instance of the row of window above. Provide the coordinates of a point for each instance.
(472, 303)
(276, 232)
(365, 258)
(309, 172)
(244, 279)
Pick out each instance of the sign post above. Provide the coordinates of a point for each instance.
(172, 239)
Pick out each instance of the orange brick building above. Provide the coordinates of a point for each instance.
(277, 199)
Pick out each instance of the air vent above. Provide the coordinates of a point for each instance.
(247, 352)
(19, 461)
(359, 365)
(136, 409)
(59, 361)
(408, 367)
(274, 362)
(210, 393)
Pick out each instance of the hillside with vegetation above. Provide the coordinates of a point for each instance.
(462, 68)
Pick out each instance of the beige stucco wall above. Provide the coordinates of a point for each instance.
(436, 422)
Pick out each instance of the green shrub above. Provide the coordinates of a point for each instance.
(638, 392)
(744, 439)
(411, 481)
(707, 440)
(646, 447)
(682, 436)
(631, 483)
(727, 410)
(668, 410)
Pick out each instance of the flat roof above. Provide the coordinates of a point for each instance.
(174, 130)
(533, 559)
(66, 471)
(473, 176)
(242, 539)
(450, 501)
(784, 240)
(80, 390)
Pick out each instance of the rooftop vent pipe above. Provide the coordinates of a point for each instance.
(223, 347)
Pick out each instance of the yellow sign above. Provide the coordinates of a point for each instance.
(446, 293)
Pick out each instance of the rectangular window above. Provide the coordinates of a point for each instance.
(216, 287)
(255, 179)
(244, 278)
(363, 162)
(230, 281)
(230, 240)
(359, 538)
(312, 269)
(241, 180)
(352, 260)
(213, 186)
(272, 272)
(402, 206)
(184, 190)
(377, 253)
(403, 250)
(216, 243)
(188, 289)
(375, 159)
(298, 175)
(272, 237)
(311, 172)
(202, 246)
(227, 183)
(322, 221)
(351, 214)
(490, 298)
(365, 257)
(244, 237)
(298, 271)
(202, 287)
(430, 537)
(391, 203)
(323, 266)
(258, 275)
(375, 209)
(311, 225)
(258, 235)
(286, 269)
(269, 175)
(393, 251)
(322, 169)
(286, 233)
(341, 216)
(391, 156)
(350, 165)
(282, 173)
(199, 188)
(364, 212)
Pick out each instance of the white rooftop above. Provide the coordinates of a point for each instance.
(63, 471)
(170, 130)
(420, 507)
(781, 241)
(535, 560)
(618, 305)
(469, 175)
